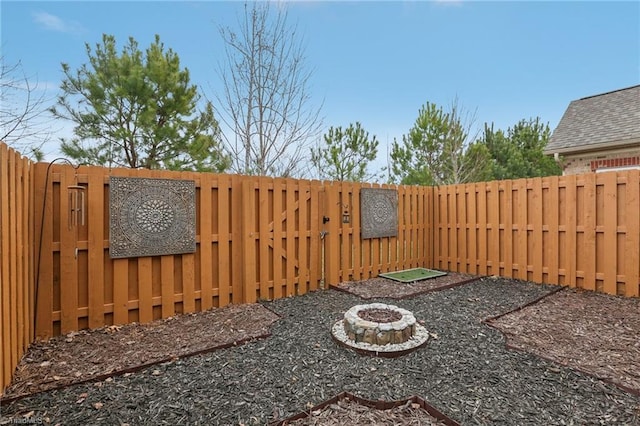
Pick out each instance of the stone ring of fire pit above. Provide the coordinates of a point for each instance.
(380, 329)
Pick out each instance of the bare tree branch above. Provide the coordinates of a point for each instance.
(265, 95)
(24, 124)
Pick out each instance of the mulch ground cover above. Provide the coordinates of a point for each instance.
(88, 355)
(593, 332)
(466, 371)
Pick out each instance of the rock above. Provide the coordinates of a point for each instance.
(369, 337)
(385, 326)
(378, 306)
(383, 338)
(406, 333)
(399, 325)
(360, 323)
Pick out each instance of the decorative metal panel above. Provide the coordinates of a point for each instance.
(151, 217)
(379, 212)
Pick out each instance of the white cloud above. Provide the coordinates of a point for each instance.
(54, 23)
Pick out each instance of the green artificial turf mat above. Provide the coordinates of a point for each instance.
(411, 275)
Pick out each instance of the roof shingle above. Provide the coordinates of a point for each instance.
(609, 118)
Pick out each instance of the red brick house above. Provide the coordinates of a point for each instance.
(599, 133)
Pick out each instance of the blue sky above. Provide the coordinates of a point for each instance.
(373, 62)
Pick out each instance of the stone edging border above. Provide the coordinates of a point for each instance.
(383, 353)
(377, 404)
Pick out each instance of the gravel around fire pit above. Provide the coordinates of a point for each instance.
(465, 371)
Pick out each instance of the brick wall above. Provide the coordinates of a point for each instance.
(590, 162)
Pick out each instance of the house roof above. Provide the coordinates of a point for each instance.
(602, 121)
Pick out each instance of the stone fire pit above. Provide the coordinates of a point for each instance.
(380, 329)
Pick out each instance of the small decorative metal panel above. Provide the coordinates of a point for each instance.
(151, 217)
(379, 212)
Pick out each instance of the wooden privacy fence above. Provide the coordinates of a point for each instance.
(16, 254)
(579, 230)
(265, 238)
(256, 238)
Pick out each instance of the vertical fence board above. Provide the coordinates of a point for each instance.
(357, 225)
(402, 253)
(277, 238)
(205, 249)
(265, 236)
(291, 255)
(452, 259)
(588, 252)
(553, 247)
(508, 229)
(482, 229)
(460, 205)
(237, 284)
(5, 281)
(443, 228)
(394, 244)
(421, 225)
(472, 228)
(365, 254)
(302, 271)
(610, 261)
(374, 243)
(145, 290)
(224, 230)
(415, 262)
(315, 217)
(44, 261)
(121, 290)
(523, 232)
(167, 282)
(19, 233)
(461, 229)
(494, 219)
(538, 249)
(248, 220)
(68, 264)
(332, 239)
(13, 283)
(632, 235)
(27, 194)
(188, 283)
(436, 228)
(95, 211)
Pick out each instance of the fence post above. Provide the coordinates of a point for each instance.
(248, 241)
